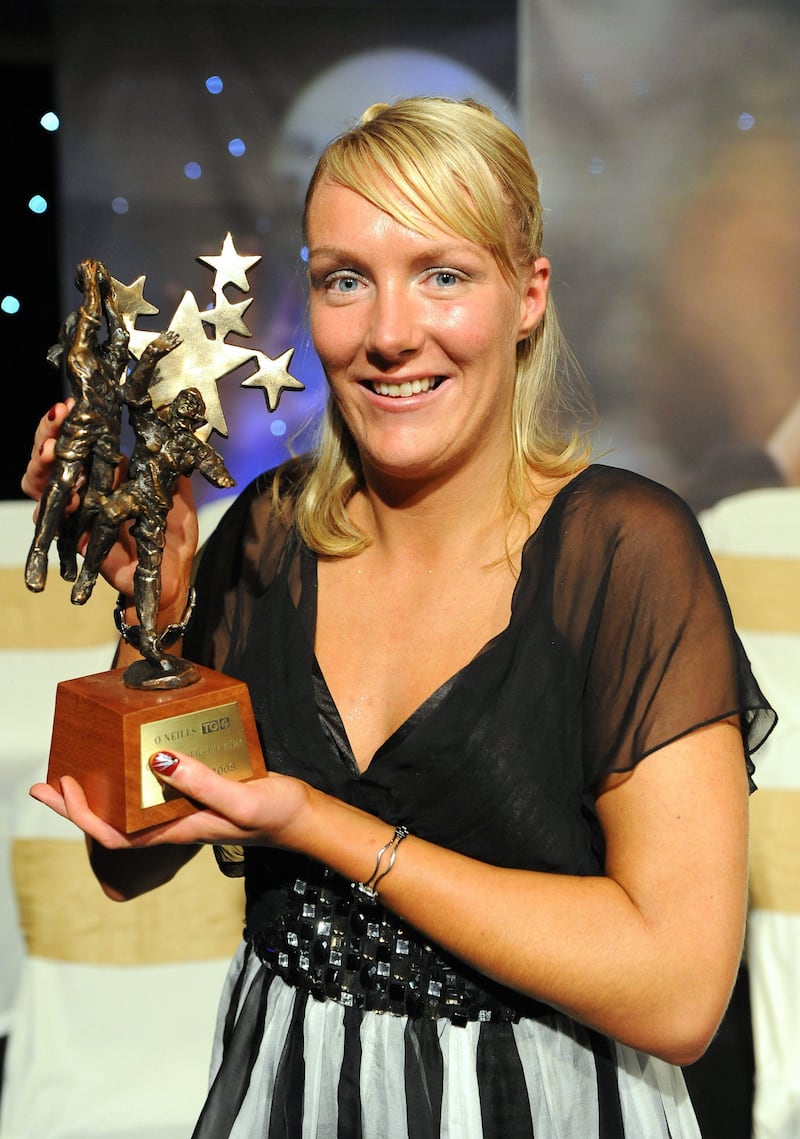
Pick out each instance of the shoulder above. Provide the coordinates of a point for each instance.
(255, 526)
(609, 516)
(618, 499)
(241, 558)
(619, 489)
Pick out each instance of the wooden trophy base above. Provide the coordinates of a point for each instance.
(104, 734)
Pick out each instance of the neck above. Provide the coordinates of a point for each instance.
(423, 516)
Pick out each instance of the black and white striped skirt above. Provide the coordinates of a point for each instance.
(287, 1066)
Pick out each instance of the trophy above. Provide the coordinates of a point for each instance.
(106, 726)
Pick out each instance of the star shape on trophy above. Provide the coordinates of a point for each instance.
(226, 317)
(202, 360)
(273, 378)
(229, 267)
(131, 303)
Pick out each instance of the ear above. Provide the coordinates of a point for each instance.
(534, 296)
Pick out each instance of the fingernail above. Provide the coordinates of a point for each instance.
(163, 763)
(52, 413)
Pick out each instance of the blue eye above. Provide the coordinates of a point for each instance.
(343, 284)
(446, 278)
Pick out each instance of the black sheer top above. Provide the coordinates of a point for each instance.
(620, 640)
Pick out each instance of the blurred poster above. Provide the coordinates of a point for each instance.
(667, 133)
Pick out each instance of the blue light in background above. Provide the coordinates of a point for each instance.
(50, 121)
(9, 304)
(214, 84)
(120, 205)
(236, 147)
(192, 170)
(746, 122)
(277, 427)
(37, 204)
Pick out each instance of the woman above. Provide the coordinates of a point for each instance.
(496, 876)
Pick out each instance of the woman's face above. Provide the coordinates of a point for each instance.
(417, 334)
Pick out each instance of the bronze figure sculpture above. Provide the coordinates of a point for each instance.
(110, 366)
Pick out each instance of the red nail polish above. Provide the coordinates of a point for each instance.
(163, 763)
(52, 413)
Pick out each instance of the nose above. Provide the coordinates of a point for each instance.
(396, 328)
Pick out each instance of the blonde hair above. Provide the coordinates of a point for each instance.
(451, 165)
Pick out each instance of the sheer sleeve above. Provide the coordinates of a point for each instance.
(215, 575)
(653, 629)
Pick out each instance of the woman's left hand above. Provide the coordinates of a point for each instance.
(257, 811)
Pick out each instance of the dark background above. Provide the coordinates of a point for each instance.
(30, 266)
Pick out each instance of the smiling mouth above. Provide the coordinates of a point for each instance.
(406, 388)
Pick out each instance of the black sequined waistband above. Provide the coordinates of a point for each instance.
(337, 945)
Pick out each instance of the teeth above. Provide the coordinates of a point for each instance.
(395, 391)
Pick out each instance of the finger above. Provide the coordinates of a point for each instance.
(43, 449)
(70, 803)
(38, 469)
(80, 813)
(229, 798)
(50, 425)
(51, 798)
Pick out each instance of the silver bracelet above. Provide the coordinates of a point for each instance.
(369, 889)
(172, 633)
